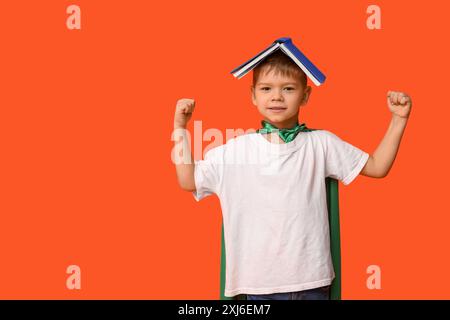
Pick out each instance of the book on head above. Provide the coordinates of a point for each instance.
(287, 46)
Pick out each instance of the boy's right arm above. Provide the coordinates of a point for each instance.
(185, 169)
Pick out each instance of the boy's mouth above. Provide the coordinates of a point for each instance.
(277, 109)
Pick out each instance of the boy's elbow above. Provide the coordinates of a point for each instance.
(383, 174)
(378, 175)
(190, 187)
(371, 169)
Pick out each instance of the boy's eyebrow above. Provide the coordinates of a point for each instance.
(268, 84)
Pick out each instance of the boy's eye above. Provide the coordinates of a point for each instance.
(289, 88)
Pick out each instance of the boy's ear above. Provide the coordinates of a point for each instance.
(306, 95)
(252, 89)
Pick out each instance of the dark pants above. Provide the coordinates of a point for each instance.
(322, 293)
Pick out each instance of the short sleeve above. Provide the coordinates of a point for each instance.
(343, 160)
(206, 175)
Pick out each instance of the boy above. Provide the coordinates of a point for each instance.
(274, 209)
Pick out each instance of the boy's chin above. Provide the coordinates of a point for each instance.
(278, 118)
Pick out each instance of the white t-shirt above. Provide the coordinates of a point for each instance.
(274, 207)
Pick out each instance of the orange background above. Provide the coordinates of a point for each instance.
(86, 121)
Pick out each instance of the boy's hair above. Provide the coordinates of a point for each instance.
(280, 63)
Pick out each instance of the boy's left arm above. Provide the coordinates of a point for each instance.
(380, 163)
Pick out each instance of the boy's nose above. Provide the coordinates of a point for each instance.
(277, 95)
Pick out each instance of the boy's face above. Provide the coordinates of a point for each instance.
(278, 98)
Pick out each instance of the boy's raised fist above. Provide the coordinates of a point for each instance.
(399, 103)
(183, 112)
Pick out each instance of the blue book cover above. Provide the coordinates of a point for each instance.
(287, 46)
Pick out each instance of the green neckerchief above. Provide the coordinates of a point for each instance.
(287, 135)
(332, 194)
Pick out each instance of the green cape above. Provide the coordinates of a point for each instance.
(335, 238)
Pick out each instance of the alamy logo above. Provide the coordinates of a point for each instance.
(181, 152)
(374, 280)
(374, 20)
(74, 280)
(74, 19)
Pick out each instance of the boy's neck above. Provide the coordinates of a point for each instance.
(287, 124)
